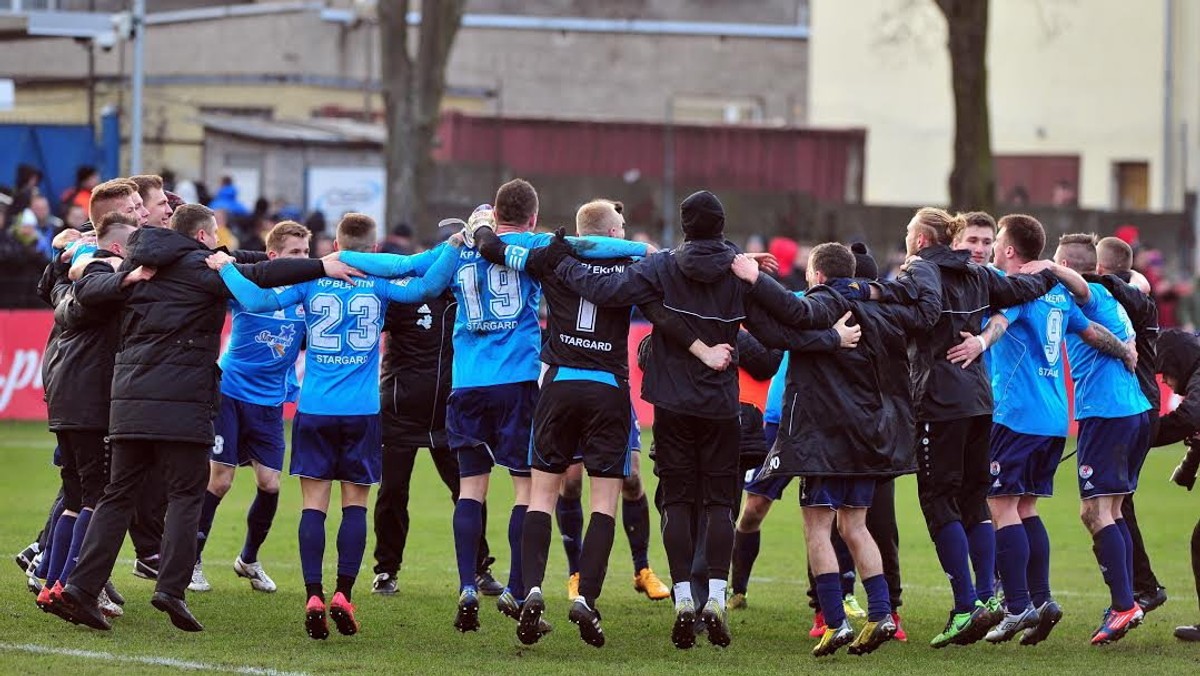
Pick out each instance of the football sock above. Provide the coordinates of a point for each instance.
(312, 589)
(535, 547)
(569, 512)
(468, 524)
(60, 546)
(312, 545)
(1012, 559)
(597, 545)
(47, 538)
(258, 523)
(516, 580)
(745, 552)
(1038, 572)
(678, 541)
(207, 512)
(1110, 548)
(1128, 537)
(77, 533)
(951, 545)
(845, 562)
(345, 585)
(981, 539)
(879, 604)
(635, 517)
(351, 545)
(829, 590)
(683, 592)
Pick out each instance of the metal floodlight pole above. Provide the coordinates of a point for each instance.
(139, 77)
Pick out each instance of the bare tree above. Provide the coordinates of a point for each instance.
(412, 97)
(972, 179)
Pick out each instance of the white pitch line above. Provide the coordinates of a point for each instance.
(154, 661)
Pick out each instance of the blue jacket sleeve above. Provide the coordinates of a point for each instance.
(637, 284)
(391, 265)
(430, 285)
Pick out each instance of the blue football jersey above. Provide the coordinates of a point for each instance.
(1028, 383)
(774, 410)
(259, 363)
(1104, 388)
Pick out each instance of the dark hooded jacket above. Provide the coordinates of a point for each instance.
(849, 413)
(695, 282)
(166, 383)
(1143, 313)
(1179, 353)
(970, 293)
(415, 382)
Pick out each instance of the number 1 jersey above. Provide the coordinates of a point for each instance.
(582, 335)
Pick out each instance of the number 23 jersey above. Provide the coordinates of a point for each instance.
(1027, 364)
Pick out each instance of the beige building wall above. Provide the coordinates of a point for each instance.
(1081, 78)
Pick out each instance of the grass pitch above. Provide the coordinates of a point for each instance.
(250, 632)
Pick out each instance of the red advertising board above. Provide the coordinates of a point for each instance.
(23, 342)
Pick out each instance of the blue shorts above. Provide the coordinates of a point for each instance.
(1023, 464)
(337, 448)
(248, 432)
(491, 426)
(837, 492)
(1111, 453)
(773, 487)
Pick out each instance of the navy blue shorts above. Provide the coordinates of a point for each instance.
(337, 448)
(1023, 464)
(837, 492)
(248, 432)
(771, 488)
(1111, 453)
(491, 426)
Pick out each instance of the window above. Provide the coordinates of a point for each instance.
(716, 110)
(1036, 180)
(1131, 186)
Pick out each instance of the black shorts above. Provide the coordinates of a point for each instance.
(590, 417)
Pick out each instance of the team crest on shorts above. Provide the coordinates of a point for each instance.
(995, 468)
(1085, 471)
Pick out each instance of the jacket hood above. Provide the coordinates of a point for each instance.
(705, 260)
(1178, 355)
(945, 257)
(157, 247)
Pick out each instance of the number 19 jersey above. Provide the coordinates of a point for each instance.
(1027, 364)
(496, 332)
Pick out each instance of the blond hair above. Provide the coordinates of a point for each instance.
(597, 217)
(939, 225)
(283, 230)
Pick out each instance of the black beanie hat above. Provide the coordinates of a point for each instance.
(702, 216)
(864, 264)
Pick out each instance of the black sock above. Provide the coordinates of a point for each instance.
(635, 517)
(745, 552)
(597, 545)
(679, 540)
(535, 547)
(345, 585)
(312, 589)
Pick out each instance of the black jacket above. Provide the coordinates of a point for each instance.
(946, 391)
(1143, 313)
(695, 282)
(79, 390)
(1180, 359)
(415, 381)
(51, 288)
(166, 383)
(850, 412)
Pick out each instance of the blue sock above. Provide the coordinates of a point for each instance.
(351, 540)
(745, 552)
(1038, 572)
(312, 544)
(60, 546)
(468, 524)
(952, 550)
(258, 523)
(77, 533)
(879, 602)
(981, 539)
(1110, 552)
(635, 517)
(569, 513)
(207, 512)
(829, 592)
(1012, 558)
(43, 568)
(1128, 537)
(845, 564)
(516, 524)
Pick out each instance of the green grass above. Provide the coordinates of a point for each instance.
(412, 633)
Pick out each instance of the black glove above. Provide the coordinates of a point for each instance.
(644, 352)
(851, 289)
(1185, 473)
(544, 260)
